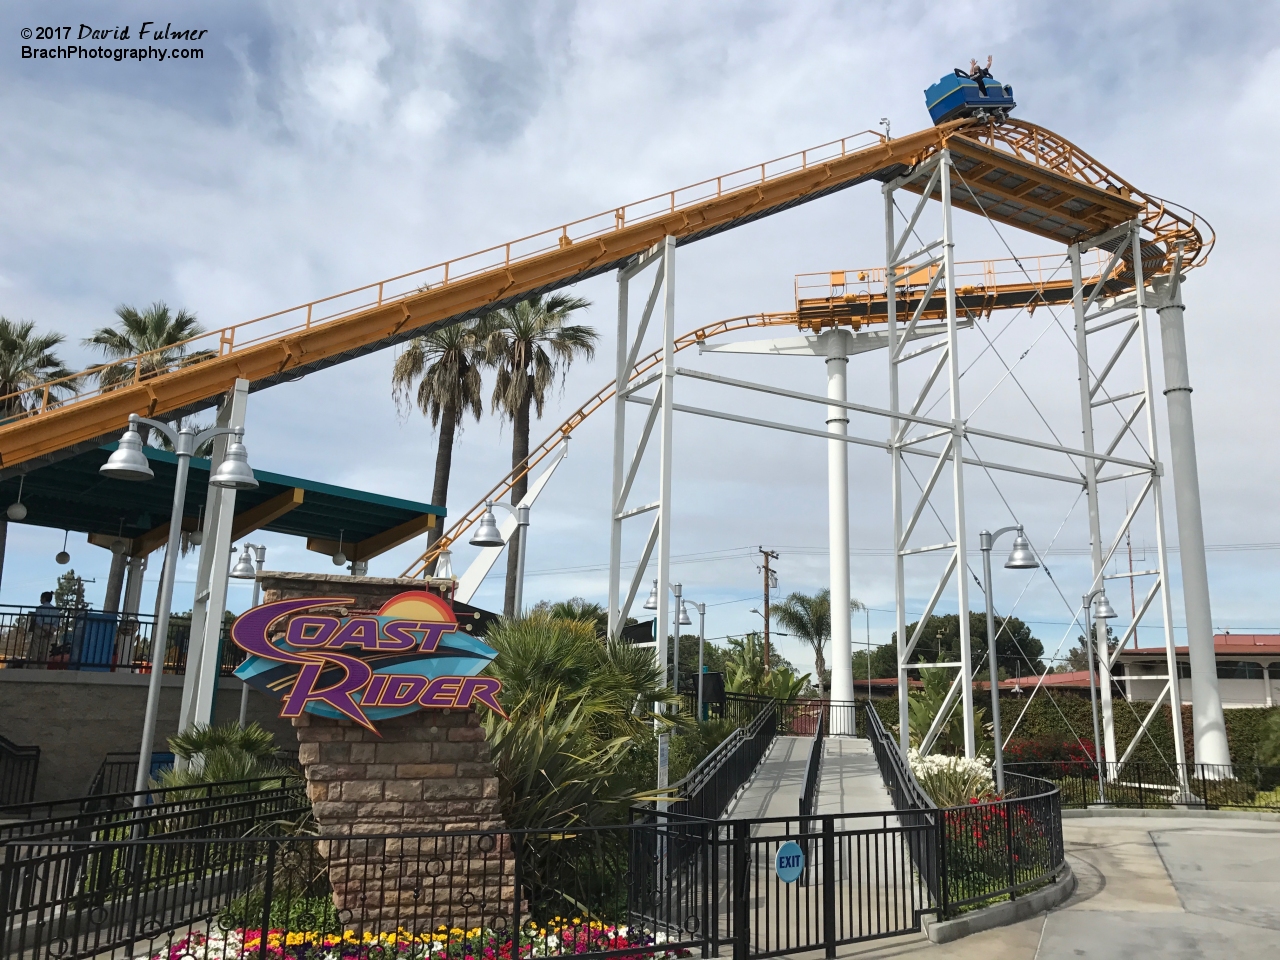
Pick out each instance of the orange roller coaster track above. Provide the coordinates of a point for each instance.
(1014, 172)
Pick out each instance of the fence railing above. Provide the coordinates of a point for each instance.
(1142, 785)
(1000, 848)
(18, 768)
(229, 807)
(708, 788)
(54, 638)
(809, 794)
(593, 891)
(984, 850)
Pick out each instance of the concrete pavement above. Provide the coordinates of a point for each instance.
(1174, 888)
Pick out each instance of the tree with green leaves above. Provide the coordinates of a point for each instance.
(220, 754)
(576, 708)
(808, 618)
(28, 359)
(531, 345)
(445, 364)
(923, 706)
(146, 343)
(576, 608)
(745, 671)
(1017, 650)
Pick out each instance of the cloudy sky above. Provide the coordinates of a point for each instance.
(319, 146)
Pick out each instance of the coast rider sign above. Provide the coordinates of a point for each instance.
(409, 656)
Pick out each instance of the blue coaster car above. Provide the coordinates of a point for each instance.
(955, 96)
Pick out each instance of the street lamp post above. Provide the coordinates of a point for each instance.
(245, 569)
(1103, 611)
(1021, 557)
(679, 618)
(488, 535)
(129, 462)
(702, 646)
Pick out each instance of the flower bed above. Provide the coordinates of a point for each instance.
(556, 939)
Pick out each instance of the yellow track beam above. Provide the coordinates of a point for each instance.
(1035, 167)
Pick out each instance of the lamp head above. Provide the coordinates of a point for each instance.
(339, 558)
(1021, 557)
(62, 558)
(243, 570)
(487, 533)
(127, 461)
(652, 602)
(233, 472)
(1102, 609)
(684, 620)
(17, 511)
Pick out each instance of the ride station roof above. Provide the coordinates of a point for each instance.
(71, 494)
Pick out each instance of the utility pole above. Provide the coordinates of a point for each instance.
(770, 580)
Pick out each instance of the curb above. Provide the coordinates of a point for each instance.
(1266, 815)
(1002, 914)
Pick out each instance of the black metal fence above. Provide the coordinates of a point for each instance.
(18, 768)
(55, 638)
(1000, 848)
(229, 808)
(707, 790)
(983, 851)
(227, 871)
(1243, 786)
(812, 767)
(662, 887)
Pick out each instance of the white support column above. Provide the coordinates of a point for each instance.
(895, 459)
(1166, 599)
(665, 442)
(838, 528)
(1208, 726)
(133, 586)
(957, 447)
(200, 684)
(662, 614)
(1098, 627)
(621, 375)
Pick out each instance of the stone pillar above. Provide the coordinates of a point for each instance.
(414, 835)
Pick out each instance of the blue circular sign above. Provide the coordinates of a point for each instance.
(789, 863)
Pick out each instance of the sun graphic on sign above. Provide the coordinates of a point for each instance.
(418, 605)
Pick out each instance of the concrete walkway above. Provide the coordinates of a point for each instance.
(1184, 888)
(849, 781)
(775, 787)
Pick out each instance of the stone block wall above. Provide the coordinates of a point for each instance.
(377, 796)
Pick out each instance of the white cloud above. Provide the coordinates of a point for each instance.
(327, 146)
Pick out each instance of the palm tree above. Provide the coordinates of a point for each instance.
(27, 360)
(576, 608)
(575, 707)
(529, 344)
(808, 618)
(155, 332)
(445, 364)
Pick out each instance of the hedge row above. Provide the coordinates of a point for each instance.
(1063, 717)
